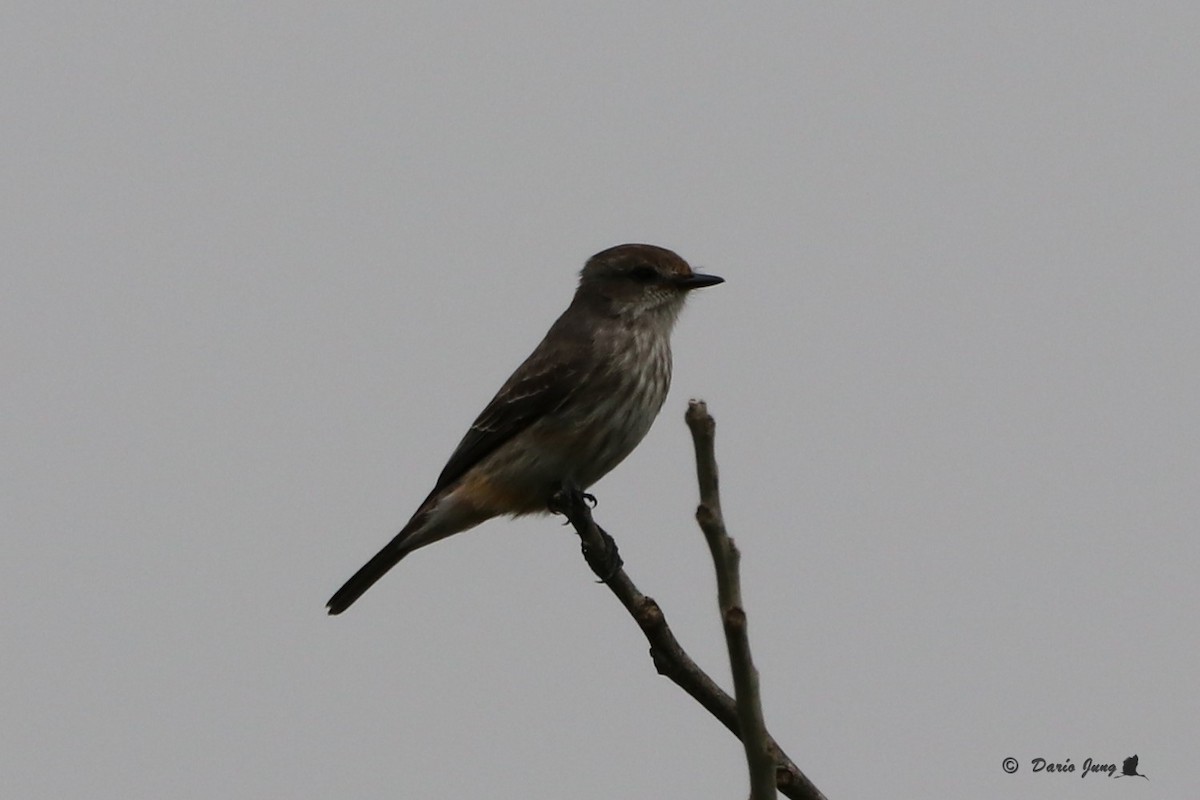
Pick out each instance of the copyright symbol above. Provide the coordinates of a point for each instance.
(1010, 765)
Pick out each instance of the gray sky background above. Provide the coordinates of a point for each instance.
(263, 263)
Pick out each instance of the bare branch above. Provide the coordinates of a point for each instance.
(669, 657)
(726, 559)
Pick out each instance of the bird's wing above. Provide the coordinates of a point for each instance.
(541, 385)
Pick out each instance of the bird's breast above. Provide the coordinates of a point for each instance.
(605, 417)
(629, 395)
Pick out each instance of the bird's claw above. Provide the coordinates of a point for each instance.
(567, 496)
(605, 561)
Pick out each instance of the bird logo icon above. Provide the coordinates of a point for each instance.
(1129, 768)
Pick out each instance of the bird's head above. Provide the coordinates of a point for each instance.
(634, 279)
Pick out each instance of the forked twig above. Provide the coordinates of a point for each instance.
(764, 756)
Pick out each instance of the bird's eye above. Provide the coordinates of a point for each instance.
(643, 273)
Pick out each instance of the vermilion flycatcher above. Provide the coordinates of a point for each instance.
(578, 405)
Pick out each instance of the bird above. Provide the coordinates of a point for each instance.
(571, 412)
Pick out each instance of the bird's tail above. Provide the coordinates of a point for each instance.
(403, 543)
(437, 518)
(365, 578)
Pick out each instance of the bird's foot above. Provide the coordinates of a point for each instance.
(568, 498)
(576, 504)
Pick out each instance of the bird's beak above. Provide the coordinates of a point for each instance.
(697, 281)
